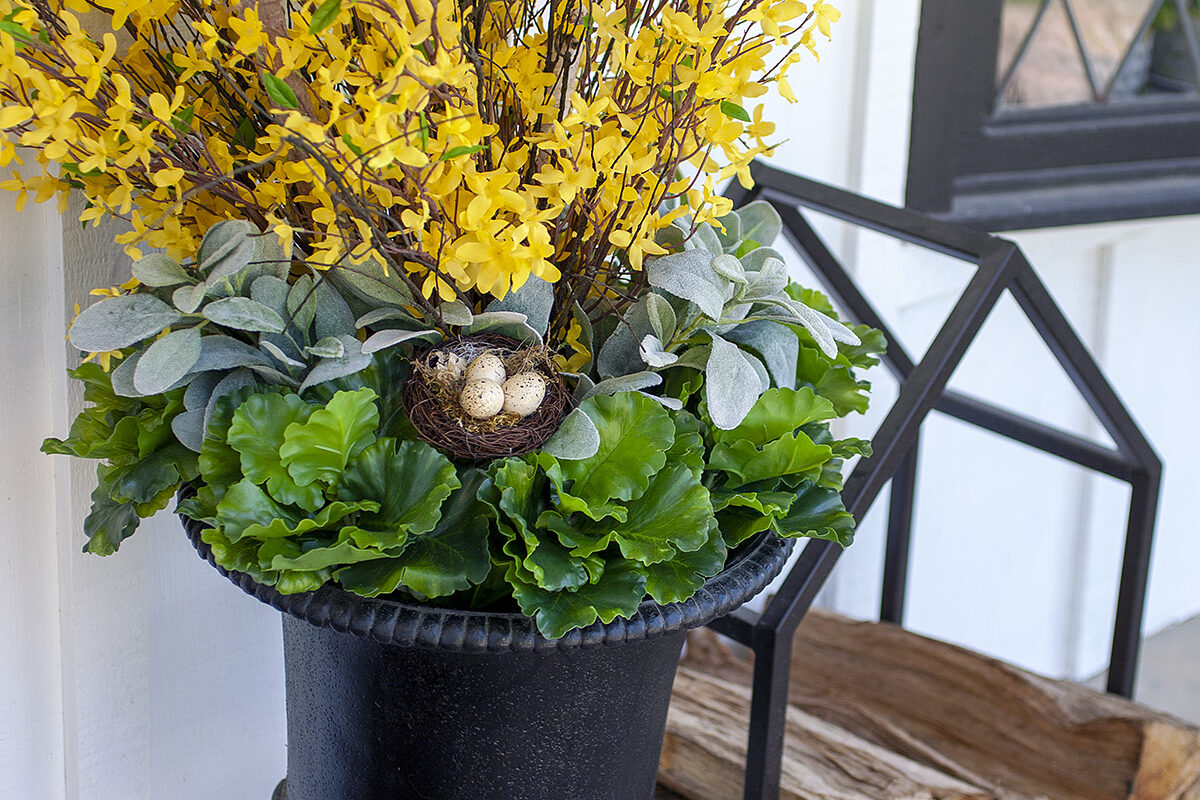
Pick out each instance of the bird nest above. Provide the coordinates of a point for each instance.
(431, 398)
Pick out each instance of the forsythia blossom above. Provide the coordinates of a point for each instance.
(469, 147)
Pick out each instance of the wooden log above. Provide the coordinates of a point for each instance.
(1012, 734)
(706, 745)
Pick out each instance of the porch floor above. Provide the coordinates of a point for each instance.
(1169, 677)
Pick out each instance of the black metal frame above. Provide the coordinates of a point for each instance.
(1031, 168)
(1000, 266)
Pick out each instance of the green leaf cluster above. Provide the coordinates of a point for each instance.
(299, 493)
(141, 463)
(721, 303)
(235, 316)
(774, 466)
(703, 420)
(590, 538)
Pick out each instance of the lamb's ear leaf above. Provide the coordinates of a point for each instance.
(760, 222)
(535, 299)
(166, 361)
(334, 317)
(226, 249)
(776, 343)
(731, 384)
(689, 275)
(624, 383)
(506, 323)
(732, 235)
(320, 448)
(373, 283)
(661, 315)
(617, 593)
(452, 557)
(652, 353)
(575, 439)
(159, 270)
(302, 303)
(118, 322)
(353, 360)
(243, 314)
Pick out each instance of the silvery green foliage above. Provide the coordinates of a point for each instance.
(228, 319)
(718, 303)
(535, 300)
(577, 438)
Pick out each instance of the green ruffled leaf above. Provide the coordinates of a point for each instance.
(818, 513)
(688, 448)
(516, 494)
(678, 578)
(319, 449)
(618, 592)
(770, 503)
(833, 381)
(409, 480)
(776, 413)
(737, 525)
(452, 557)
(220, 465)
(635, 433)
(787, 455)
(237, 556)
(110, 522)
(146, 480)
(567, 503)
(247, 511)
(672, 515)
(256, 432)
(292, 556)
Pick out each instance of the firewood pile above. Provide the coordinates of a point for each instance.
(878, 712)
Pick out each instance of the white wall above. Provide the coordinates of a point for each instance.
(135, 677)
(31, 361)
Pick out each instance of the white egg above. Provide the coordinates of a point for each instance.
(523, 393)
(482, 399)
(448, 366)
(486, 367)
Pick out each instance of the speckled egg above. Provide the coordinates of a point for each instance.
(448, 366)
(482, 399)
(523, 393)
(486, 367)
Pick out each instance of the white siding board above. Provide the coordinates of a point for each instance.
(31, 724)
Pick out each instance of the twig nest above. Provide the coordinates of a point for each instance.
(460, 398)
(523, 393)
(486, 366)
(483, 399)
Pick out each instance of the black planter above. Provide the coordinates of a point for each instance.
(392, 701)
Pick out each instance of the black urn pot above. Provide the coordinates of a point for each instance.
(396, 701)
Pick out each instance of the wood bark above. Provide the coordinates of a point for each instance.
(863, 689)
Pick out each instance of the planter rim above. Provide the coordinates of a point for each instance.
(428, 627)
